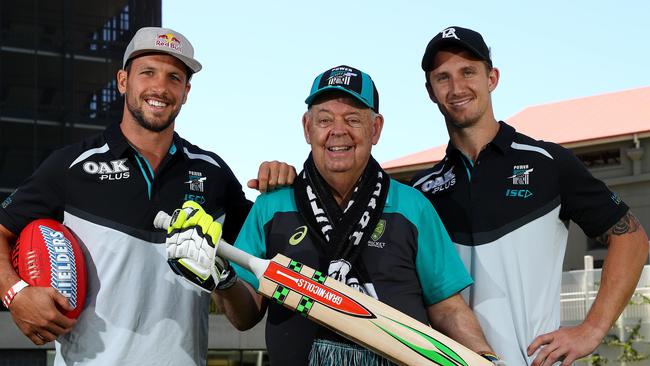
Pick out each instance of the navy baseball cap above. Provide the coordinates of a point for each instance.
(458, 36)
(349, 80)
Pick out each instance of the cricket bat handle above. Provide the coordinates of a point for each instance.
(224, 250)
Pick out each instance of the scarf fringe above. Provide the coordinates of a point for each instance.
(329, 353)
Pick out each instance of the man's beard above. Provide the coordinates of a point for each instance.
(458, 124)
(138, 115)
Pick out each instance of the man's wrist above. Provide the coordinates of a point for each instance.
(12, 292)
(598, 327)
(490, 356)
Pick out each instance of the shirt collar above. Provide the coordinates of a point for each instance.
(118, 143)
(504, 137)
(501, 142)
(177, 146)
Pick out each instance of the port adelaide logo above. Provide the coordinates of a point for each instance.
(196, 180)
(520, 177)
(520, 174)
(341, 76)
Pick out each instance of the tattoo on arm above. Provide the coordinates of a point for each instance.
(627, 224)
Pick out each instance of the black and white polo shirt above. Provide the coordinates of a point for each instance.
(137, 311)
(508, 215)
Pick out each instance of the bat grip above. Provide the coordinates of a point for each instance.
(255, 265)
(162, 220)
(224, 250)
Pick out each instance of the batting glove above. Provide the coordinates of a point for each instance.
(192, 240)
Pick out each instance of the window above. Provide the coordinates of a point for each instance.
(601, 158)
(112, 31)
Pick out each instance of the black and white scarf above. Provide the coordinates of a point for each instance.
(341, 234)
(343, 231)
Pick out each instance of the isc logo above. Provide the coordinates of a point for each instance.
(518, 193)
(194, 197)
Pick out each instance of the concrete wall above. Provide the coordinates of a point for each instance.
(630, 180)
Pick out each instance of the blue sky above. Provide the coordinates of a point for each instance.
(260, 58)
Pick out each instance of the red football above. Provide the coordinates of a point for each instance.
(47, 254)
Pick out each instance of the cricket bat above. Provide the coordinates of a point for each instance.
(356, 316)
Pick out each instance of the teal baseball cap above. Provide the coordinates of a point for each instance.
(349, 80)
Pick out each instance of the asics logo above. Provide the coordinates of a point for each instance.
(300, 234)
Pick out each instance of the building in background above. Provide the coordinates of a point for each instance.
(609, 133)
(58, 62)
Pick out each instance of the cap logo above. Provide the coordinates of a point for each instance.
(450, 33)
(168, 40)
(340, 76)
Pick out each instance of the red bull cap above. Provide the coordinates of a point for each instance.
(165, 40)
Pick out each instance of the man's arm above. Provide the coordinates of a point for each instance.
(243, 307)
(455, 319)
(34, 309)
(627, 253)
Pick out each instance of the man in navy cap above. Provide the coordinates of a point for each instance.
(505, 200)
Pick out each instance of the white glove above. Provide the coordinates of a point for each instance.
(192, 240)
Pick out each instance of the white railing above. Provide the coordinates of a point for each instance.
(578, 292)
(579, 289)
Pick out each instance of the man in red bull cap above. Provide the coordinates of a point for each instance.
(107, 190)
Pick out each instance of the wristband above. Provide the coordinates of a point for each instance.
(229, 281)
(489, 356)
(13, 291)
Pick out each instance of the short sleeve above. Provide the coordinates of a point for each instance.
(586, 200)
(237, 207)
(42, 195)
(440, 269)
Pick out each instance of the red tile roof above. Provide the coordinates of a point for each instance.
(570, 122)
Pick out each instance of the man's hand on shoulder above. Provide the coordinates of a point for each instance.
(271, 175)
